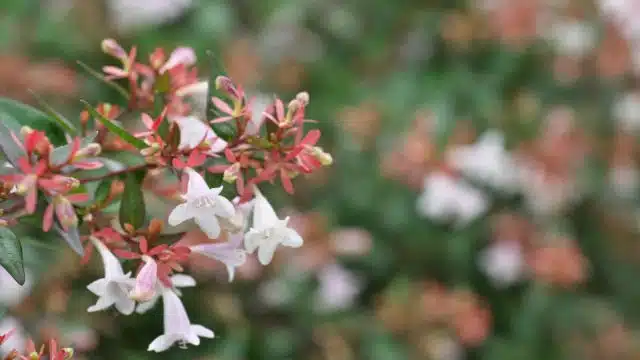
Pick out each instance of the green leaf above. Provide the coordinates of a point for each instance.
(132, 206)
(71, 237)
(59, 118)
(103, 190)
(61, 153)
(24, 115)
(11, 151)
(11, 255)
(100, 77)
(116, 129)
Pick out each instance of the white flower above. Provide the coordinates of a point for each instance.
(624, 181)
(194, 133)
(202, 204)
(338, 288)
(230, 253)
(114, 287)
(572, 37)
(626, 112)
(197, 94)
(268, 231)
(503, 262)
(446, 198)
(177, 281)
(130, 15)
(487, 161)
(180, 56)
(177, 327)
(145, 283)
(11, 293)
(17, 339)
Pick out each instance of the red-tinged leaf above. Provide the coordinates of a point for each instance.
(178, 163)
(286, 182)
(229, 155)
(218, 169)
(78, 198)
(88, 165)
(47, 218)
(311, 138)
(88, 251)
(222, 106)
(158, 249)
(279, 109)
(147, 120)
(125, 254)
(144, 245)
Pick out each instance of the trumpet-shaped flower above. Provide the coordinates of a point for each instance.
(177, 281)
(230, 253)
(268, 231)
(114, 287)
(145, 285)
(206, 206)
(177, 327)
(195, 134)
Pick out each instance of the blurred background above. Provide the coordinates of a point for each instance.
(483, 202)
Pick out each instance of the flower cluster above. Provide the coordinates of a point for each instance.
(246, 143)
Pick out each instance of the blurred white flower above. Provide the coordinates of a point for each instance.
(115, 286)
(624, 181)
(487, 161)
(177, 281)
(445, 347)
(626, 112)
(145, 282)
(544, 194)
(338, 288)
(202, 204)
(623, 13)
(503, 263)
(230, 252)
(445, 198)
(194, 133)
(351, 241)
(572, 37)
(177, 326)
(130, 15)
(180, 56)
(268, 231)
(18, 338)
(11, 293)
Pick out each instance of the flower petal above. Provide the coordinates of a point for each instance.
(263, 214)
(292, 238)
(103, 302)
(208, 223)
(162, 343)
(143, 307)
(197, 186)
(179, 214)
(202, 331)
(252, 240)
(181, 280)
(224, 208)
(98, 287)
(266, 251)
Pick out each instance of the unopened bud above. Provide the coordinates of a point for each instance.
(111, 47)
(26, 130)
(145, 284)
(303, 98)
(225, 84)
(157, 58)
(87, 217)
(155, 227)
(151, 150)
(324, 157)
(68, 353)
(231, 174)
(93, 149)
(65, 212)
(294, 105)
(3, 223)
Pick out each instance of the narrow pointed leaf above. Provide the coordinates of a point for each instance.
(132, 206)
(15, 114)
(114, 128)
(56, 116)
(101, 77)
(11, 255)
(71, 237)
(10, 150)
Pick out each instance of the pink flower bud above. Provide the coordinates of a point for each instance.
(225, 84)
(157, 58)
(180, 56)
(111, 47)
(303, 98)
(90, 150)
(65, 212)
(145, 287)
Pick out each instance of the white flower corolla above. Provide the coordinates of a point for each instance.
(624, 181)
(177, 281)
(180, 56)
(486, 161)
(11, 293)
(196, 93)
(626, 112)
(18, 337)
(338, 288)
(229, 253)
(194, 133)
(114, 287)
(130, 15)
(268, 231)
(446, 198)
(503, 262)
(145, 283)
(177, 326)
(202, 204)
(573, 37)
